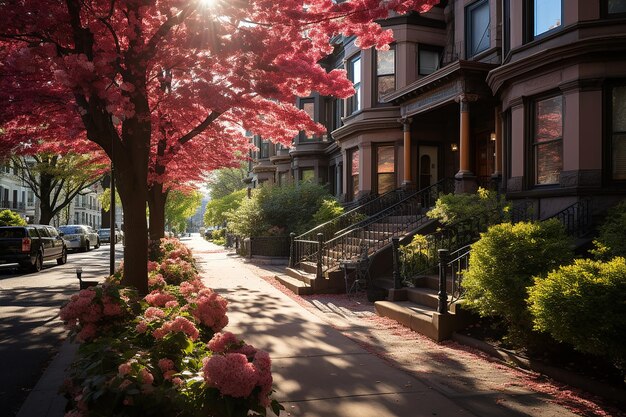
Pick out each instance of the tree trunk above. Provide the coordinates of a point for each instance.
(131, 180)
(156, 203)
(45, 189)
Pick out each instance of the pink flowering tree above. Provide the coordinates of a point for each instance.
(147, 81)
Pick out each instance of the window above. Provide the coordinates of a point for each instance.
(548, 140)
(477, 21)
(614, 8)
(307, 175)
(354, 74)
(618, 133)
(385, 169)
(283, 178)
(337, 113)
(264, 149)
(385, 72)
(31, 199)
(354, 173)
(506, 27)
(308, 105)
(542, 16)
(428, 59)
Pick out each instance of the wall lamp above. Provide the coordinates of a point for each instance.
(454, 147)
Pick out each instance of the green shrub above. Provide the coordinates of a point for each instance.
(11, 218)
(278, 210)
(451, 208)
(503, 263)
(218, 234)
(220, 241)
(611, 241)
(584, 304)
(329, 209)
(418, 257)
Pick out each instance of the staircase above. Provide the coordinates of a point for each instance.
(317, 255)
(422, 306)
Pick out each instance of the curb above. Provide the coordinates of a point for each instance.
(44, 400)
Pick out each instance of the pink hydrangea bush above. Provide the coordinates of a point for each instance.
(237, 369)
(91, 310)
(162, 354)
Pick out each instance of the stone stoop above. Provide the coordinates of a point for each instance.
(416, 308)
(303, 282)
(422, 319)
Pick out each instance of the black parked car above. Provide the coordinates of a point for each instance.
(30, 246)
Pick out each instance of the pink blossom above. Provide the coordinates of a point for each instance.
(159, 298)
(141, 327)
(221, 342)
(124, 369)
(179, 324)
(211, 309)
(145, 376)
(166, 364)
(88, 332)
(177, 381)
(171, 304)
(231, 374)
(154, 312)
(152, 266)
(187, 288)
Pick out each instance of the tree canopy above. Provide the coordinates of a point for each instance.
(167, 87)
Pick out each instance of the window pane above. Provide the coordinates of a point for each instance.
(619, 157)
(385, 159)
(549, 119)
(547, 15)
(356, 71)
(428, 61)
(308, 175)
(355, 185)
(619, 109)
(549, 162)
(386, 84)
(385, 62)
(355, 163)
(479, 28)
(617, 6)
(386, 183)
(309, 108)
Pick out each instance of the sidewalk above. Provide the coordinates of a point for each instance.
(334, 359)
(319, 372)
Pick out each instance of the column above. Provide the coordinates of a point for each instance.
(406, 131)
(467, 179)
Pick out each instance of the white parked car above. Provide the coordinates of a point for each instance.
(80, 237)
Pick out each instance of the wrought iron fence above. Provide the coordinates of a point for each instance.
(377, 231)
(576, 218)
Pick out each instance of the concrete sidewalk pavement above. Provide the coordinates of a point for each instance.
(320, 372)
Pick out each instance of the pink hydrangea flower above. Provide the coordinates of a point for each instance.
(158, 298)
(124, 369)
(141, 327)
(171, 304)
(231, 374)
(211, 309)
(166, 364)
(221, 342)
(188, 288)
(153, 313)
(179, 324)
(146, 377)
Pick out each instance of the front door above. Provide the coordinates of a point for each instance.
(427, 166)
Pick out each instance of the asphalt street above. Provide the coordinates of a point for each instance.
(30, 329)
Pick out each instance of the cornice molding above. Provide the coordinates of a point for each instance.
(364, 126)
(613, 47)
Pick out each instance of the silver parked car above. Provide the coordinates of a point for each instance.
(80, 237)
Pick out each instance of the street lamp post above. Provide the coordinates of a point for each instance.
(112, 234)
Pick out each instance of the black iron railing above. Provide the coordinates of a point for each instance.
(576, 218)
(375, 232)
(421, 258)
(305, 247)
